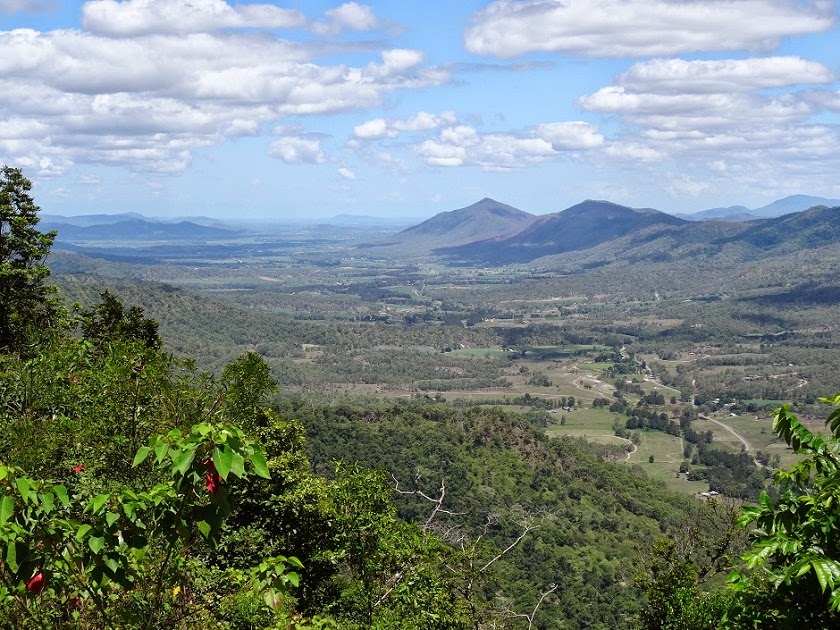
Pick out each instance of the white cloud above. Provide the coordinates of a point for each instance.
(618, 28)
(570, 135)
(144, 102)
(461, 145)
(664, 76)
(347, 173)
(349, 16)
(424, 121)
(143, 17)
(378, 128)
(460, 136)
(695, 111)
(373, 129)
(297, 150)
(441, 154)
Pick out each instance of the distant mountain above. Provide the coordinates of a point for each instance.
(794, 203)
(137, 230)
(731, 213)
(580, 227)
(483, 220)
(53, 221)
(86, 220)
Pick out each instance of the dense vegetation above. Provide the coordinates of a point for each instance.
(137, 490)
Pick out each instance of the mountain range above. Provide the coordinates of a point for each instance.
(131, 226)
(593, 232)
(793, 203)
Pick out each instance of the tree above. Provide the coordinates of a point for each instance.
(110, 320)
(24, 300)
(793, 568)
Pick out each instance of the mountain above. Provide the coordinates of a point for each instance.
(810, 229)
(136, 230)
(731, 213)
(794, 203)
(580, 227)
(52, 221)
(483, 220)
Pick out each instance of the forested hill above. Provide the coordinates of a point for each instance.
(591, 520)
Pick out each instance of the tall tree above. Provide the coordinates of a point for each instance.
(24, 299)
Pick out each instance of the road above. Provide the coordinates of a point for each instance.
(738, 436)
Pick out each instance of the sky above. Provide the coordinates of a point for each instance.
(400, 108)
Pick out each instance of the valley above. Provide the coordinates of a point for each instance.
(356, 313)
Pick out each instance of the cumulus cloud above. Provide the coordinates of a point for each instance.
(462, 145)
(378, 128)
(372, 129)
(664, 76)
(617, 28)
(142, 17)
(147, 100)
(696, 111)
(350, 16)
(297, 150)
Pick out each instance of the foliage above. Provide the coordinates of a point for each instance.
(24, 307)
(119, 559)
(792, 574)
(109, 320)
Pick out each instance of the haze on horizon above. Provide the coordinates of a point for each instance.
(298, 109)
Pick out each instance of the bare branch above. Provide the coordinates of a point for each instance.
(528, 527)
(438, 502)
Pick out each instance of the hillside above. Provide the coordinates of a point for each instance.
(482, 220)
(580, 227)
(591, 520)
(812, 228)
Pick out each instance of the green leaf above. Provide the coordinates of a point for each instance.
(237, 466)
(111, 518)
(97, 502)
(61, 493)
(223, 460)
(204, 528)
(142, 454)
(112, 564)
(11, 556)
(47, 501)
(182, 461)
(96, 543)
(4, 470)
(260, 465)
(23, 487)
(7, 508)
(82, 532)
(293, 578)
(161, 448)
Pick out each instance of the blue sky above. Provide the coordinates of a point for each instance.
(404, 109)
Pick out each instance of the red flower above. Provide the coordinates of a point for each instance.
(37, 583)
(212, 480)
(78, 468)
